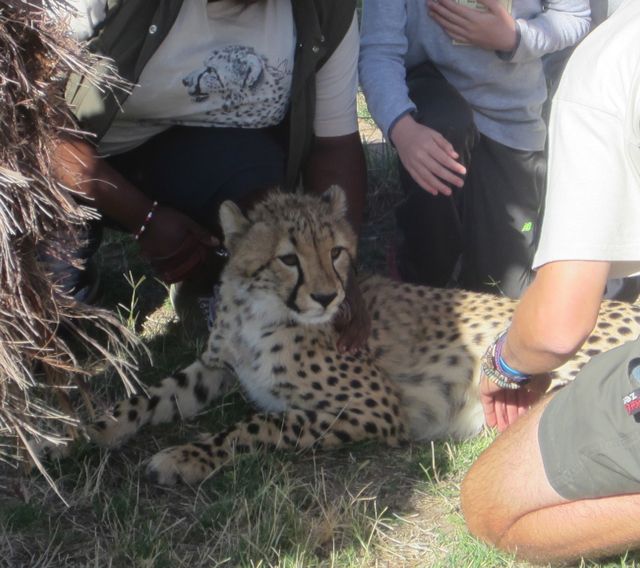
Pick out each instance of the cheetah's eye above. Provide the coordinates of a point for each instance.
(289, 259)
(335, 252)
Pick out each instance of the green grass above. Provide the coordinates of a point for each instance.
(361, 506)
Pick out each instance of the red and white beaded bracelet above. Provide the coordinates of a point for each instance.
(146, 221)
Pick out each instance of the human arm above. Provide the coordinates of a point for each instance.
(556, 315)
(561, 24)
(427, 155)
(517, 37)
(337, 158)
(340, 161)
(553, 319)
(174, 243)
(591, 201)
(383, 47)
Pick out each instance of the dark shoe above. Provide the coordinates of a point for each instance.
(80, 282)
(87, 286)
(194, 307)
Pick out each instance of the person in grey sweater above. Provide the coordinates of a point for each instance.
(460, 93)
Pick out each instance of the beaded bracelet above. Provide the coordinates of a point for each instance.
(501, 364)
(497, 370)
(146, 221)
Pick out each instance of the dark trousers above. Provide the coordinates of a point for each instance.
(195, 169)
(484, 236)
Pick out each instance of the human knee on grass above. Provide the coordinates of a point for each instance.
(508, 502)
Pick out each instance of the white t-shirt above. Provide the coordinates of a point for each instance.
(223, 64)
(592, 209)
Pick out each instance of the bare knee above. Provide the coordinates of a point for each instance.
(507, 484)
(485, 519)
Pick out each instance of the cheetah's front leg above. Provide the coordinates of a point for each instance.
(179, 396)
(293, 430)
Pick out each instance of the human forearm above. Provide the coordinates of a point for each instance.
(175, 244)
(383, 47)
(555, 316)
(80, 169)
(563, 24)
(339, 161)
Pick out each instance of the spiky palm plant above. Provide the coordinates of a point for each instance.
(46, 338)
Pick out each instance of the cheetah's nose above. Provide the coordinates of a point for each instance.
(324, 299)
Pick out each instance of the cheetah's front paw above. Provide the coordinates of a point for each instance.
(190, 463)
(47, 449)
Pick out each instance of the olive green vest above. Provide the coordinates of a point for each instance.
(134, 29)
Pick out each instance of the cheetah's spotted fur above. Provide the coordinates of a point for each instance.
(283, 285)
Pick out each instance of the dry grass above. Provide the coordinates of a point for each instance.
(342, 509)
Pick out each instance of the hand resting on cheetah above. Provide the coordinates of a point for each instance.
(283, 285)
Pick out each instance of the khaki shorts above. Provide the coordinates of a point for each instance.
(590, 446)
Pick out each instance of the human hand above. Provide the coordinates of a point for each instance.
(175, 244)
(427, 155)
(493, 29)
(502, 407)
(353, 322)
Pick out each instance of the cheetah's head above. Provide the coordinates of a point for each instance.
(292, 253)
(234, 69)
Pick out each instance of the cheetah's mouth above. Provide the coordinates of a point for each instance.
(314, 315)
(309, 319)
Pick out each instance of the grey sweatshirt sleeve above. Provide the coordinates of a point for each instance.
(383, 46)
(561, 24)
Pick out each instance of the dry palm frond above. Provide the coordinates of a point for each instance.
(35, 358)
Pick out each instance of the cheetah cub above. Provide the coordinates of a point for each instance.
(283, 285)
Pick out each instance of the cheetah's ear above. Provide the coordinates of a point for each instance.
(336, 199)
(232, 221)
